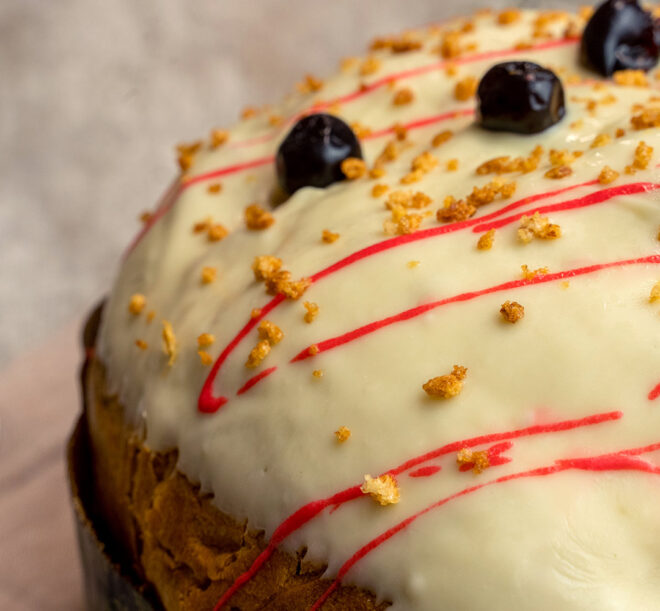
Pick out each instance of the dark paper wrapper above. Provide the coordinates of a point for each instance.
(107, 585)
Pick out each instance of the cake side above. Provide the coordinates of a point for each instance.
(470, 317)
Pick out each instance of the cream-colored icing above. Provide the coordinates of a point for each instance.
(574, 540)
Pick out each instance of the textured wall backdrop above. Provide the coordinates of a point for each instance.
(93, 96)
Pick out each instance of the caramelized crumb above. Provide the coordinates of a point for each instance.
(310, 84)
(137, 303)
(329, 236)
(631, 78)
(203, 226)
(141, 344)
(384, 489)
(607, 175)
(205, 357)
(217, 232)
(265, 266)
(600, 140)
(441, 138)
(646, 119)
(446, 386)
(317, 373)
(403, 96)
(353, 168)
(452, 165)
(537, 226)
(258, 354)
(558, 172)
(528, 274)
(208, 275)
(505, 164)
(214, 188)
(412, 264)
(486, 240)
(370, 66)
(169, 342)
(256, 218)
(643, 155)
(342, 434)
(512, 311)
(313, 350)
(219, 137)
(145, 217)
(655, 293)
(151, 315)
(466, 88)
(270, 332)
(379, 189)
(508, 16)
(311, 311)
(280, 283)
(205, 339)
(478, 459)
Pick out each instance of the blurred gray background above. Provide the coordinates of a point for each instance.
(95, 93)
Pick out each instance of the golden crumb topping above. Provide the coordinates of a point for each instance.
(169, 342)
(353, 168)
(528, 274)
(218, 137)
(214, 188)
(329, 236)
(403, 96)
(342, 434)
(655, 293)
(537, 226)
(631, 78)
(280, 283)
(452, 165)
(508, 16)
(209, 274)
(466, 88)
(217, 232)
(369, 66)
(441, 137)
(512, 311)
(256, 218)
(646, 119)
(205, 358)
(151, 315)
(383, 489)
(505, 164)
(478, 459)
(311, 311)
(258, 354)
(317, 373)
(559, 172)
(397, 44)
(643, 156)
(249, 112)
(270, 332)
(447, 386)
(309, 84)
(607, 175)
(186, 154)
(313, 350)
(379, 190)
(205, 339)
(563, 157)
(600, 140)
(141, 344)
(255, 313)
(265, 266)
(486, 240)
(454, 210)
(137, 304)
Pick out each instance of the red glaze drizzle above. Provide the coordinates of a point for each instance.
(620, 461)
(255, 379)
(425, 471)
(208, 403)
(309, 511)
(654, 393)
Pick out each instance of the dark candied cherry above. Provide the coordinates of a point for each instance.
(520, 97)
(312, 152)
(620, 35)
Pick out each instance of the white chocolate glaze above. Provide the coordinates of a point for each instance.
(589, 344)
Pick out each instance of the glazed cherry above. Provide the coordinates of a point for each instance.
(520, 97)
(620, 35)
(311, 154)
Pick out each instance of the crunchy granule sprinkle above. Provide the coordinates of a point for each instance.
(205, 358)
(407, 199)
(346, 63)
(631, 78)
(137, 303)
(424, 162)
(275, 120)
(441, 137)
(317, 373)
(486, 240)
(145, 217)
(379, 190)
(369, 66)
(508, 16)
(313, 350)
(309, 84)
(477, 458)
(256, 218)
(209, 274)
(217, 232)
(383, 489)
(607, 175)
(265, 266)
(454, 210)
(186, 154)
(646, 119)
(537, 226)
(655, 293)
(328, 237)
(505, 164)
(397, 44)
(403, 96)
(400, 131)
(377, 172)
(560, 157)
(620, 132)
(249, 112)
(141, 344)
(218, 137)
(353, 168)
(600, 140)
(558, 172)
(447, 386)
(169, 342)
(361, 131)
(270, 332)
(311, 311)
(528, 274)
(342, 434)
(255, 313)
(452, 165)
(404, 223)
(451, 69)
(413, 264)
(151, 315)
(280, 283)
(466, 88)
(643, 156)
(203, 225)
(258, 354)
(214, 188)
(512, 311)
(205, 339)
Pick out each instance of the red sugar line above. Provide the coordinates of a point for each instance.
(654, 393)
(411, 313)
(309, 511)
(254, 380)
